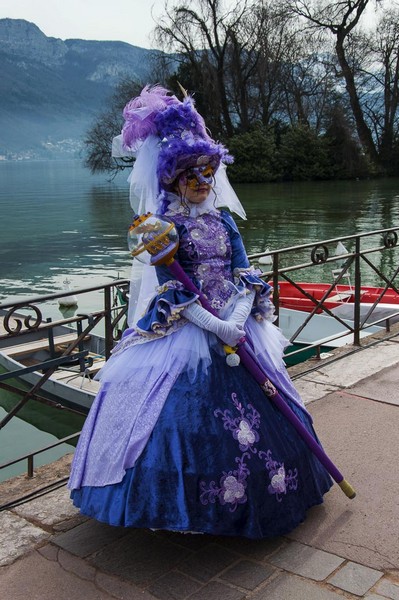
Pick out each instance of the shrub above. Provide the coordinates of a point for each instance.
(254, 156)
(303, 155)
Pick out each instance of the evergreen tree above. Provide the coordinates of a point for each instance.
(255, 156)
(344, 153)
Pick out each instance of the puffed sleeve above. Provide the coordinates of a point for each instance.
(163, 311)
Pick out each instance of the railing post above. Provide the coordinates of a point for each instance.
(275, 286)
(108, 322)
(30, 465)
(358, 284)
(50, 334)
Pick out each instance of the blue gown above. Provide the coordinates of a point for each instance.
(177, 439)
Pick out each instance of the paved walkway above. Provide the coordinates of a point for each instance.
(345, 549)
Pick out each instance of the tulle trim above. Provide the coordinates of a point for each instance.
(268, 341)
(189, 346)
(194, 342)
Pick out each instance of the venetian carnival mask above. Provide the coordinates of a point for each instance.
(193, 177)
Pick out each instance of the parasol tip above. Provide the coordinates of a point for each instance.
(347, 489)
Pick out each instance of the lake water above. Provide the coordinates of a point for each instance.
(58, 221)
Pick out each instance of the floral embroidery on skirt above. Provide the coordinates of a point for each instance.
(232, 484)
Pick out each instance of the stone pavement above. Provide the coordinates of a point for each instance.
(344, 549)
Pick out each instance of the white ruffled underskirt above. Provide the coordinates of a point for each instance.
(189, 346)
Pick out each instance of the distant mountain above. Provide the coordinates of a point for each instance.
(51, 90)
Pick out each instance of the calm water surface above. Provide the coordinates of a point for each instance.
(58, 221)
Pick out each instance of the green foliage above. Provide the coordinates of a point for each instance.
(283, 153)
(344, 153)
(303, 155)
(393, 169)
(254, 156)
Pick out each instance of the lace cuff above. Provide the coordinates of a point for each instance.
(249, 278)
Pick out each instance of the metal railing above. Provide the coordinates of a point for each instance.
(314, 258)
(24, 319)
(30, 456)
(15, 325)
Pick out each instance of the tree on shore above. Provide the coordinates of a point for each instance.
(368, 63)
(299, 70)
(383, 113)
(211, 41)
(108, 124)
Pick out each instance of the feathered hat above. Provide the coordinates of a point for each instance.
(180, 131)
(167, 136)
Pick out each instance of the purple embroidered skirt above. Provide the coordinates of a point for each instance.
(220, 459)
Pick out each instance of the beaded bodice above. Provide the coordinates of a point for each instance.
(205, 254)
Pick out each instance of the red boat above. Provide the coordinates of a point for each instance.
(339, 295)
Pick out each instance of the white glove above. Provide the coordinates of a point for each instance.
(228, 331)
(242, 309)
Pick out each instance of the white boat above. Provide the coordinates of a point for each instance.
(321, 331)
(71, 383)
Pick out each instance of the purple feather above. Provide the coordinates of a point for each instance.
(141, 112)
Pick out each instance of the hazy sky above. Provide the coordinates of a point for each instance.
(123, 20)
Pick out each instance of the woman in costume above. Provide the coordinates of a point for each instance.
(177, 439)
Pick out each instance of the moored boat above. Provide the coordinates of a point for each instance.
(322, 333)
(306, 298)
(72, 383)
(31, 352)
